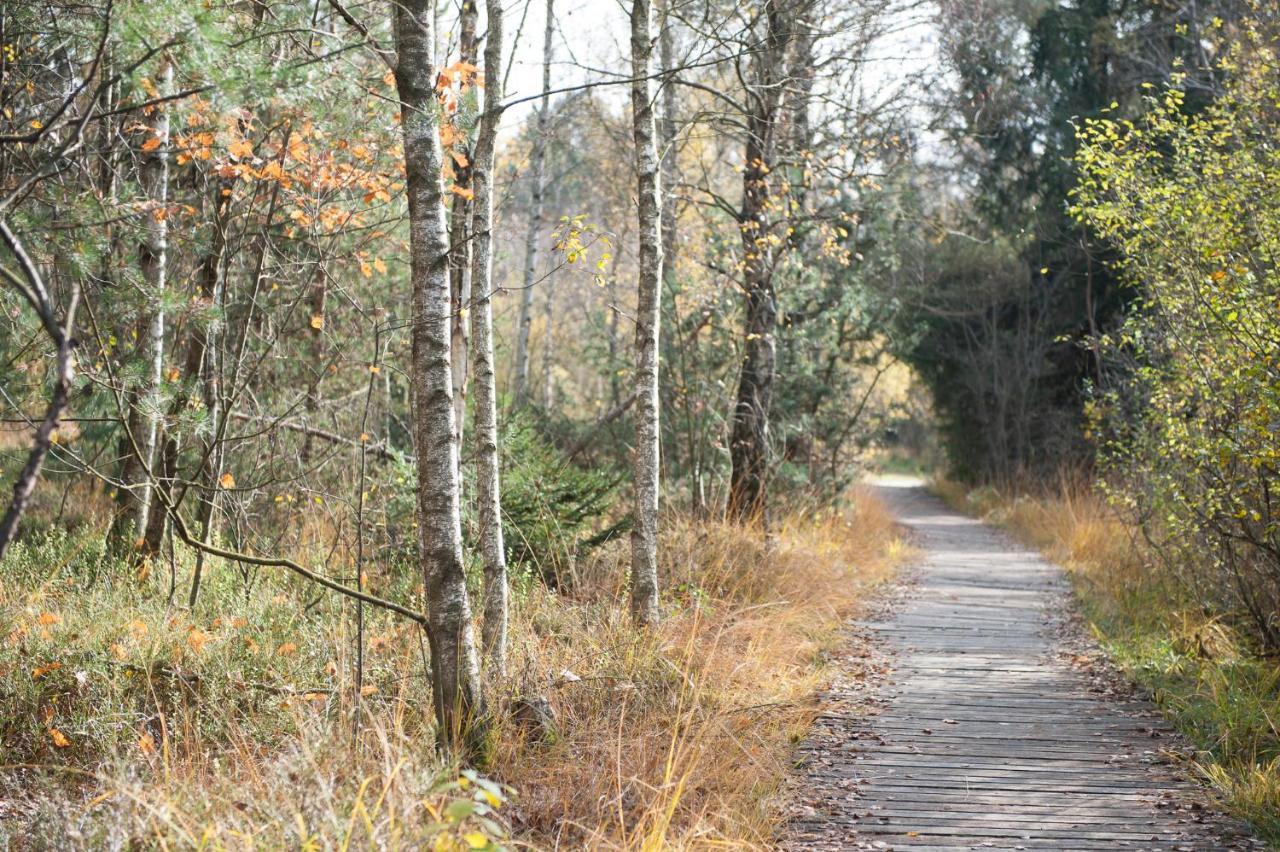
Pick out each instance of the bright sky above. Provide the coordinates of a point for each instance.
(592, 43)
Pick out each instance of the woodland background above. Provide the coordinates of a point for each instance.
(441, 423)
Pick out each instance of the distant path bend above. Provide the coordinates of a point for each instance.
(978, 732)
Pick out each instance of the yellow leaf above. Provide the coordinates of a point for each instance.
(370, 689)
(37, 123)
(227, 481)
(365, 269)
(476, 840)
(241, 149)
(380, 266)
(317, 322)
(59, 738)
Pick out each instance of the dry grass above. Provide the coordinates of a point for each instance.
(1206, 677)
(232, 728)
(679, 739)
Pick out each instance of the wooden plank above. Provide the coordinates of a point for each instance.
(981, 735)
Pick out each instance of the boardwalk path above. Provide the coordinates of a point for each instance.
(981, 732)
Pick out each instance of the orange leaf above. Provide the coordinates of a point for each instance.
(368, 690)
(147, 744)
(462, 191)
(40, 671)
(241, 149)
(59, 738)
(48, 618)
(227, 481)
(151, 144)
(288, 649)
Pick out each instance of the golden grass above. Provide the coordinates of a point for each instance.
(232, 728)
(679, 739)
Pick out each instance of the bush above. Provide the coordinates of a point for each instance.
(1190, 416)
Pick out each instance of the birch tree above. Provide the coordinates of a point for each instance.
(488, 488)
(644, 534)
(455, 671)
(537, 183)
(460, 244)
(141, 415)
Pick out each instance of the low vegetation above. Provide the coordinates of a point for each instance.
(131, 722)
(1204, 669)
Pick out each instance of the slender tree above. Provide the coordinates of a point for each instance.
(644, 533)
(455, 671)
(537, 189)
(749, 428)
(488, 488)
(460, 244)
(141, 417)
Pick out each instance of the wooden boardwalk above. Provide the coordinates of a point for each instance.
(976, 730)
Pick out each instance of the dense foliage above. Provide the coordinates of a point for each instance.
(1189, 424)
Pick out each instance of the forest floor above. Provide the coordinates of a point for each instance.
(985, 718)
(128, 720)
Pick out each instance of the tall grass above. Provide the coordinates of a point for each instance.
(1206, 676)
(130, 722)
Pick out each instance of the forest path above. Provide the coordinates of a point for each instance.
(979, 727)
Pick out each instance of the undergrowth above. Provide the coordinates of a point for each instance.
(129, 721)
(1206, 675)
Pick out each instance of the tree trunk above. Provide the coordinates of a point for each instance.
(460, 243)
(142, 421)
(35, 292)
(199, 370)
(644, 533)
(488, 486)
(749, 431)
(455, 670)
(537, 179)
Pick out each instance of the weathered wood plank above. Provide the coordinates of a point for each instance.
(981, 734)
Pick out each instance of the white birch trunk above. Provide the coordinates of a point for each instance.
(537, 168)
(644, 535)
(488, 485)
(142, 417)
(456, 688)
(460, 246)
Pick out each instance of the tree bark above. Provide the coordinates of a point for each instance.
(488, 483)
(749, 431)
(537, 179)
(142, 418)
(455, 671)
(460, 247)
(37, 295)
(199, 370)
(644, 533)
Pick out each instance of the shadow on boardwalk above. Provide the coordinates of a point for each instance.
(970, 728)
